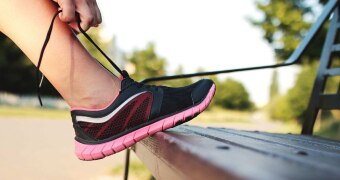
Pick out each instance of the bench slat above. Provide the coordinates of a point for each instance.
(292, 141)
(308, 138)
(318, 156)
(189, 152)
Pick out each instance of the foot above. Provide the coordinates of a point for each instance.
(138, 112)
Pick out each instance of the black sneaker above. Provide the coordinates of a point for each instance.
(139, 111)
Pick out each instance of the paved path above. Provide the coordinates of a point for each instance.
(43, 149)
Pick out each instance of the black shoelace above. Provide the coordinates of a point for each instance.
(40, 76)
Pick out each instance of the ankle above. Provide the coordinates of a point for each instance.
(97, 97)
(93, 103)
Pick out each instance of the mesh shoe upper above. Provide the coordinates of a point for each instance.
(136, 105)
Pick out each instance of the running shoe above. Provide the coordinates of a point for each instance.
(138, 111)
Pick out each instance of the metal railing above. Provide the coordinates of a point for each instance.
(293, 59)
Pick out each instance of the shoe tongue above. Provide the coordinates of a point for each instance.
(124, 75)
(126, 80)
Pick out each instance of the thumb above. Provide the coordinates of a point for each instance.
(68, 10)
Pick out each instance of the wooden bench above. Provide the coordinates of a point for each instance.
(190, 152)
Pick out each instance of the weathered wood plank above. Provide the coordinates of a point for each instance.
(166, 158)
(309, 138)
(299, 151)
(188, 152)
(298, 141)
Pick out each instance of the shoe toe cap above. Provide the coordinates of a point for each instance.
(201, 90)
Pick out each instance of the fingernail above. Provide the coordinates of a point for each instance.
(60, 14)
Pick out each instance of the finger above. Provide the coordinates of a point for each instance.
(74, 26)
(68, 13)
(99, 15)
(87, 17)
(93, 9)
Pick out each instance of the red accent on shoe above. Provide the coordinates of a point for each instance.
(133, 114)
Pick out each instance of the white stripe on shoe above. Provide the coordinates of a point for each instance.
(109, 116)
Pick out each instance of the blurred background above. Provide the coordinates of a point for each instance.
(153, 38)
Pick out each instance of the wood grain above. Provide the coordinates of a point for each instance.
(191, 152)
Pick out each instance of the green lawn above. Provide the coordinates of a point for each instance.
(137, 170)
(212, 117)
(219, 116)
(43, 113)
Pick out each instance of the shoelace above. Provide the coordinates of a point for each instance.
(139, 85)
(49, 32)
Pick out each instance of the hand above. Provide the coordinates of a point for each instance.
(88, 11)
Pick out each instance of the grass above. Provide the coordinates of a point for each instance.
(221, 116)
(31, 112)
(216, 117)
(244, 120)
(330, 130)
(328, 126)
(137, 170)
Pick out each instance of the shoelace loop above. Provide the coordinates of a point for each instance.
(49, 32)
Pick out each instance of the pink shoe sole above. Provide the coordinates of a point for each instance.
(90, 152)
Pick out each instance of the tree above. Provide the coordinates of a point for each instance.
(274, 86)
(13, 67)
(231, 94)
(284, 24)
(293, 105)
(17, 73)
(147, 63)
(178, 82)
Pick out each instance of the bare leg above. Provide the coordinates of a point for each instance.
(69, 67)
